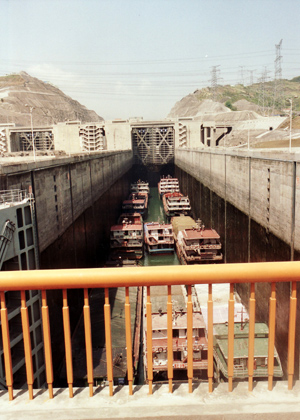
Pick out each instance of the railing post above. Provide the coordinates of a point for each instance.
(271, 344)
(128, 340)
(6, 347)
(230, 337)
(170, 338)
(210, 338)
(109, 361)
(27, 344)
(149, 340)
(47, 343)
(292, 333)
(68, 345)
(88, 342)
(251, 336)
(190, 338)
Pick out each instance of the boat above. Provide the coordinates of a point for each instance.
(130, 218)
(240, 361)
(140, 186)
(159, 238)
(121, 262)
(168, 184)
(179, 341)
(175, 203)
(195, 244)
(136, 202)
(126, 238)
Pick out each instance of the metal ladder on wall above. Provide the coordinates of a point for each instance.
(6, 237)
(34, 227)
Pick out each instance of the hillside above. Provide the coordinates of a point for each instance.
(50, 104)
(256, 97)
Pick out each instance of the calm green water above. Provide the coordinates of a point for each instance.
(156, 214)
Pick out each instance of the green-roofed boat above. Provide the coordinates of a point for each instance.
(240, 363)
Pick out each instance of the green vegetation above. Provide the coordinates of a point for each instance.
(230, 106)
(258, 94)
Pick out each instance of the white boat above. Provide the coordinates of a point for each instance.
(140, 186)
(159, 238)
(167, 185)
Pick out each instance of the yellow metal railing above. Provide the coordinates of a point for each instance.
(147, 276)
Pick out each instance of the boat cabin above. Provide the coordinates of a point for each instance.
(241, 334)
(159, 237)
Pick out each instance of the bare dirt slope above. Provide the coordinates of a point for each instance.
(255, 97)
(50, 104)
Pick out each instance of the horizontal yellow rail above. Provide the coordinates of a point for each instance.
(270, 272)
(150, 276)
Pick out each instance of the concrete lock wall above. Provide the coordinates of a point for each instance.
(266, 225)
(267, 190)
(64, 188)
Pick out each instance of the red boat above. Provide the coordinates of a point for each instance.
(175, 204)
(126, 238)
(136, 202)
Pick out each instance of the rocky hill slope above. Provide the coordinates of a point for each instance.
(257, 97)
(50, 104)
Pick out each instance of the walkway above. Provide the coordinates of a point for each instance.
(260, 404)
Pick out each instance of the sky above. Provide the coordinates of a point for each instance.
(137, 58)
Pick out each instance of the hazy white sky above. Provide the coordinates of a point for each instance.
(127, 58)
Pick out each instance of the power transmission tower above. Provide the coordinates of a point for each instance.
(262, 97)
(251, 76)
(242, 75)
(277, 98)
(214, 81)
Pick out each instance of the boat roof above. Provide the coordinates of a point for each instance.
(170, 179)
(157, 225)
(141, 201)
(126, 226)
(138, 194)
(160, 321)
(220, 312)
(173, 194)
(241, 339)
(140, 183)
(159, 298)
(182, 222)
(199, 233)
(131, 217)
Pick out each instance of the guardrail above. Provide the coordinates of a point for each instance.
(12, 196)
(148, 276)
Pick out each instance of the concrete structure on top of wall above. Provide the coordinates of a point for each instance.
(75, 137)
(264, 188)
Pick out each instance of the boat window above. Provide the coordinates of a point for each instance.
(175, 333)
(176, 355)
(201, 332)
